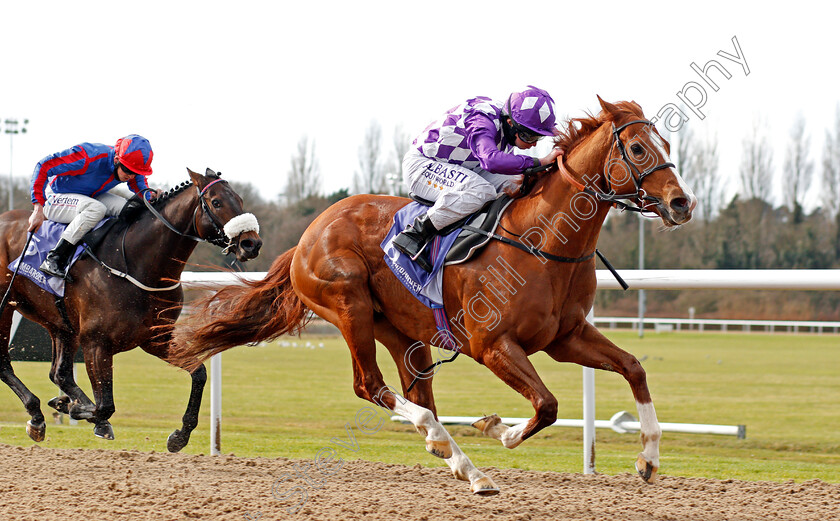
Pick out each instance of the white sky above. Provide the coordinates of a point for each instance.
(233, 85)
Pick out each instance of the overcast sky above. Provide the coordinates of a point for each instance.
(234, 85)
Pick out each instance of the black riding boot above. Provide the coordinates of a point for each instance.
(413, 240)
(57, 259)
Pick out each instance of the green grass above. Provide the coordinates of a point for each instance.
(290, 402)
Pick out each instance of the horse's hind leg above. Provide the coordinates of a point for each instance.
(75, 402)
(36, 427)
(99, 362)
(409, 356)
(592, 349)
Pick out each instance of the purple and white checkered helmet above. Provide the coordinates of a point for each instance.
(533, 109)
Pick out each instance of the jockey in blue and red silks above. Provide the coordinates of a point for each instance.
(76, 186)
(465, 159)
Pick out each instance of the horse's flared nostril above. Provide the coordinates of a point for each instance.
(250, 247)
(680, 205)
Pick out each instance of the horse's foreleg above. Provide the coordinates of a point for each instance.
(592, 349)
(412, 357)
(510, 363)
(36, 427)
(180, 437)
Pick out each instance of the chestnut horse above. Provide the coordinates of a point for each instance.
(107, 314)
(504, 304)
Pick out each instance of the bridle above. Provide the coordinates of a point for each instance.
(219, 237)
(639, 201)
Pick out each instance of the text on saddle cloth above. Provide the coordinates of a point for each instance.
(44, 240)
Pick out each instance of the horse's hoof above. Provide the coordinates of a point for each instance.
(440, 449)
(78, 411)
(646, 470)
(36, 431)
(488, 422)
(484, 487)
(176, 441)
(60, 404)
(104, 431)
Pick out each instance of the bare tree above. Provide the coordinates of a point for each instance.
(685, 152)
(706, 181)
(304, 173)
(831, 167)
(756, 165)
(370, 178)
(402, 142)
(796, 176)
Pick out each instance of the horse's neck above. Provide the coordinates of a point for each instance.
(164, 251)
(570, 219)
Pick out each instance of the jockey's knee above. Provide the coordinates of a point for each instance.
(92, 210)
(485, 192)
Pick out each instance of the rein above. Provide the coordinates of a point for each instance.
(218, 241)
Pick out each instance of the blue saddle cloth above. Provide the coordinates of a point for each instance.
(44, 239)
(426, 287)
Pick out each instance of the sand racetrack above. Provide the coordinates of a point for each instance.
(92, 485)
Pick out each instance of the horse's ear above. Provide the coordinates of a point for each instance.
(196, 178)
(606, 106)
(211, 173)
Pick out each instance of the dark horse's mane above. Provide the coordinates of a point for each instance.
(578, 129)
(135, 208)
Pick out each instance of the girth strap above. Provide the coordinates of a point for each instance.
(530, 250)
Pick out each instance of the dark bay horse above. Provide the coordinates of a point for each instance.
(504, 305)
(107, 314)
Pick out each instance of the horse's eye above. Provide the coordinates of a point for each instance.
(216, 203)
(636, 149)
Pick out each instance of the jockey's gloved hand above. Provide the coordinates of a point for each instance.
(37, 218)
(551, 156)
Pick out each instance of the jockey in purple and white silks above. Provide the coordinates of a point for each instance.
(76, 186)
(465, 159)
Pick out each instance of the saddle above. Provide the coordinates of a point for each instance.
(477, 228)
(129, 213)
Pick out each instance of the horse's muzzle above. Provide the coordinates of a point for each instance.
(677, 210)
(248, 246)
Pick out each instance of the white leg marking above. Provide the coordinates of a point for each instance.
(650, 432)
(513, 436)
(422, 419)
(462, 468)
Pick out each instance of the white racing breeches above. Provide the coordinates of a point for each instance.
(80, 212)
(456, 191)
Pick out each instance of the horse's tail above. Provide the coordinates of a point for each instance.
(245, 313)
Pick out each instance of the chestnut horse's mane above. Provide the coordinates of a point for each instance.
(578, 129)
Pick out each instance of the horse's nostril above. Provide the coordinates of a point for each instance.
(680, 204)
(250, 246)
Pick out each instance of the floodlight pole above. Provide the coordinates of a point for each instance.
(12, 129)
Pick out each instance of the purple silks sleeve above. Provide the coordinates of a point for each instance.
(481, 139)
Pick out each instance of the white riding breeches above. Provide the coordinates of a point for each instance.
(80, 212)
(456, 191)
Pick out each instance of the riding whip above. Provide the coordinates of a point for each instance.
(14, 275)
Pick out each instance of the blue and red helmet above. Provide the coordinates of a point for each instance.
(134, 153)
(532, 109)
